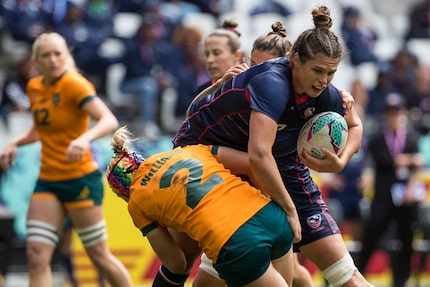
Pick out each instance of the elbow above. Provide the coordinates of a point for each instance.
(255, 158)
(113, 123)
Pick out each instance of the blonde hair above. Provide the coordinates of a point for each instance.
(54, 37)
(120, 139)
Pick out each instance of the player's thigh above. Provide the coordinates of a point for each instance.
(325, 251)
(269, 278)
(204, 279)
(285, 266)
(47, 209)
(86, 216)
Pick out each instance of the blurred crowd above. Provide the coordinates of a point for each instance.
(159, 53)
(146, 61)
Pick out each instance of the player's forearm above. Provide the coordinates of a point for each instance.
(206, 92)
(270, 181)
(28, 137)
(353, 143)
(103, 127)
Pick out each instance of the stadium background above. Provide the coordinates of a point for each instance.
(388, 17)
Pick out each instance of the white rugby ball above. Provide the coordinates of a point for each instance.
(326, 129)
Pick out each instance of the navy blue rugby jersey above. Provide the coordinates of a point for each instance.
(223, 117)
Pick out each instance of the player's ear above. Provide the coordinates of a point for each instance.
(296, 60)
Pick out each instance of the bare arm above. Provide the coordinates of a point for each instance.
(236, 161)
(262, 133)
(106, 123)
(215, 86)
(8, 156)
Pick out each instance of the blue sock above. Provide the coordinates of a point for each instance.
(165, 278)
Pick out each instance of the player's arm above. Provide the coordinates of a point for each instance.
(234, 160)
(262, 133)
(105, 123)
(105, 120)
(8, 156)
(215, 86)
(167, 250)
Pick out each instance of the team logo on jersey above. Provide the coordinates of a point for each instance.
(309, 112)
(56, 99)
(85, 192)
(314, 221)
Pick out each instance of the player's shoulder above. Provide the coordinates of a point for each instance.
(331, 100)
(76, 80)
(331, 93)
(35, 81)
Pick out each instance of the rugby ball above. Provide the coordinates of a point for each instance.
(326, 129)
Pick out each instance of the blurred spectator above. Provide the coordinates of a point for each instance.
(402, 70)
(176, 10)
(85, 26)
(163, 25)
(393, 150)
(377, 94)
(419, 20)
(26, 19)
(189, 72)
(129, 5)
(147, 60)
(358, 40)
(214, 7)
(418, 100)
(271, 6)
(57, 9)
(13, 96)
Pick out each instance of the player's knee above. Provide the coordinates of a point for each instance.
(340, 272)
(92, 235)
(177, 266)
(40, 232)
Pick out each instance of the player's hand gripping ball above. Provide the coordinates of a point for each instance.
(327, 129)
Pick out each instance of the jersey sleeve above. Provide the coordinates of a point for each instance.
(269, 93)
(331, 100)
(81, 89)
(143, 223)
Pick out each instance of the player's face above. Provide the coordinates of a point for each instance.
(219, 57)
(51, 58)
(313, 76)
(258, 57)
